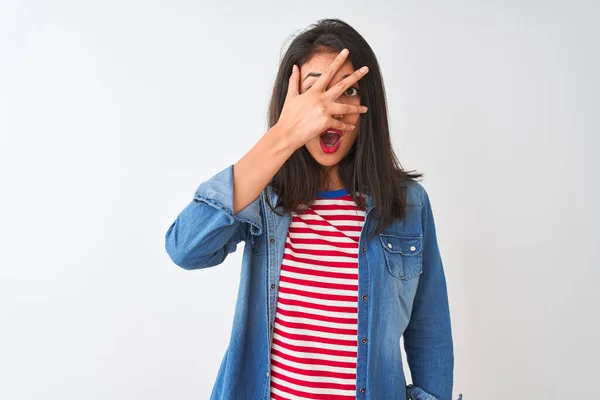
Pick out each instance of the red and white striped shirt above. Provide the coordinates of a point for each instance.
(313, 354)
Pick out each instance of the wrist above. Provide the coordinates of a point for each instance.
(283, 137)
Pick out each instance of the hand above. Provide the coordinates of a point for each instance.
(305, 116)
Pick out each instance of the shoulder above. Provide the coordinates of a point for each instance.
(416, 195)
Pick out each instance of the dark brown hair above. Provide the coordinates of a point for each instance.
(371, 166)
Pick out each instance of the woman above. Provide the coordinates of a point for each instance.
(341, 257)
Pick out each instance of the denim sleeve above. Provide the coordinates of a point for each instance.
(428, 336)
(207, 229)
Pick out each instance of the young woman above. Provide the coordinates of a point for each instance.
(340, 257)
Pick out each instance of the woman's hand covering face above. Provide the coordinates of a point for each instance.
(306, 115)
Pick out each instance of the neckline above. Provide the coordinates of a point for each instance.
(329, 194)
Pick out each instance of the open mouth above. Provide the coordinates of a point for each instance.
(330, 137)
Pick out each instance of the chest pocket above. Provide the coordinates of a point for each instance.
(403, 254)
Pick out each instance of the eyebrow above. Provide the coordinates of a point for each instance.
(318, 74)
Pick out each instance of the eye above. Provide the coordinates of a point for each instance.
(350, 90)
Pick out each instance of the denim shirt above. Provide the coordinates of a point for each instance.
(401, 291)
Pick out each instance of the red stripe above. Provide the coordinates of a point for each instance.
(317, 284)
(318, 232)
(325, 307)
(323, 242)
(314, 350)
(322, 252)
(314, 272)
(313, 396)
(299, 222)
(335, 207)
(325, 318)
(275, 396)
(314, 361)
(321, 385)
(311, 338)
(333, 264)
(315, 328)
(323, 296)
(341, 217)
(310, 372)
(322, 221)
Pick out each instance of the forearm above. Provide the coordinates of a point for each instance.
(256, 168)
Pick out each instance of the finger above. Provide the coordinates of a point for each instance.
(336, 90)
(337, 124)
(342, 109)
(293, 84)
(322, 82)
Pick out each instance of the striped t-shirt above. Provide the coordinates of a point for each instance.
(313, 354)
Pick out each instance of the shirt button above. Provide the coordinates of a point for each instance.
(364, 249)
(390, 245)
(364, 340)
(272, 240)
(272, 286)
(364, 297)
(363, 390)
(267, 373)
(412, 248)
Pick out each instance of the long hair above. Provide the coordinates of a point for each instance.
(371, 165)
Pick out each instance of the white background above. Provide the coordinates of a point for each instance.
(112, 113)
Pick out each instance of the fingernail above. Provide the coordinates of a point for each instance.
(364, 108)
(364, 69)
(344, 52)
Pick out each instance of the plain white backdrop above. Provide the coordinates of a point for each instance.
(112, 113)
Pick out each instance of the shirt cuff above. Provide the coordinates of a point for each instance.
(218, 192)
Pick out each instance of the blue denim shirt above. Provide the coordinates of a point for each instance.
(401, 284)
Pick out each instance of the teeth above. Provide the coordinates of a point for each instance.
(332, 136)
